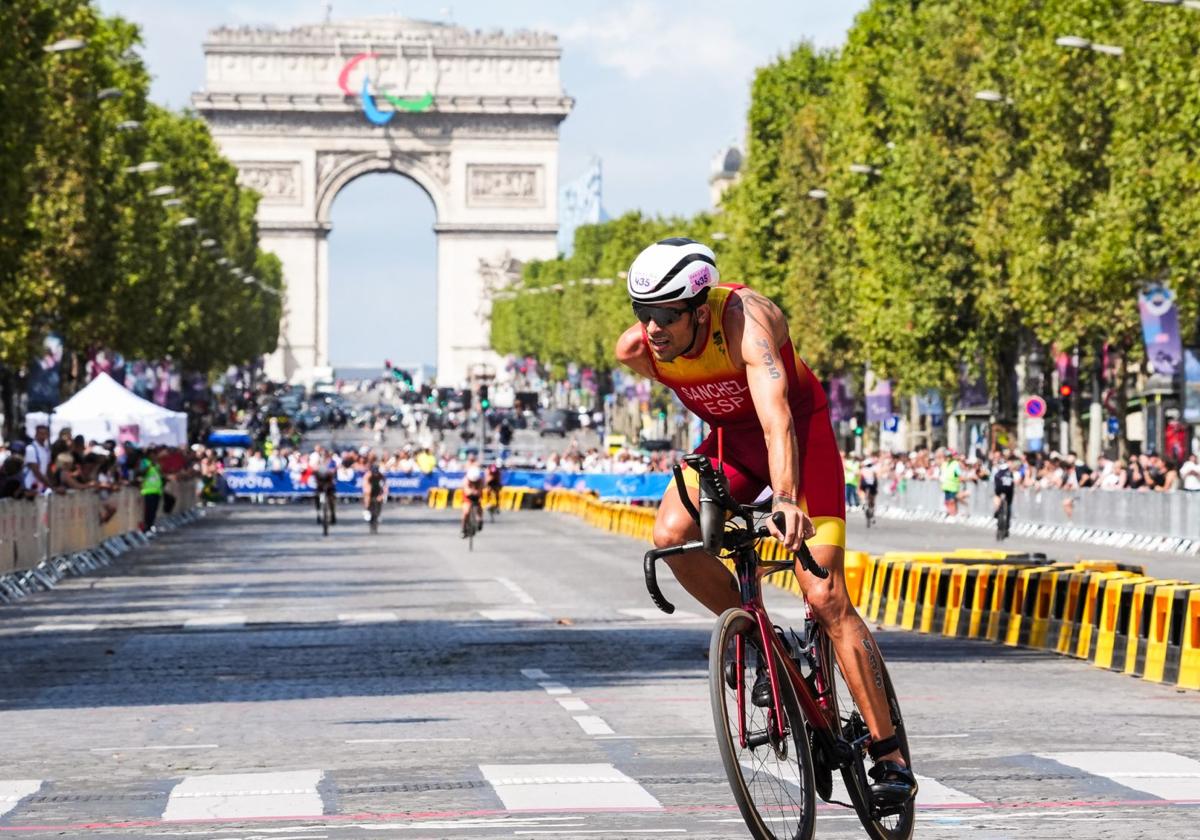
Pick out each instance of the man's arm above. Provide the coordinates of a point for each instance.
(763, 330)
(631, 352)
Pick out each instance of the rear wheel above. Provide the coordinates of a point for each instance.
(896, 825)
(325, 516)
(771, 777)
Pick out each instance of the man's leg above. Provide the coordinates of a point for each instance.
(701, 574)
(857, 653)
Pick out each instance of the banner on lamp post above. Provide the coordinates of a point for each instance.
(1191, 385)
(879, 401)
(1160, 330)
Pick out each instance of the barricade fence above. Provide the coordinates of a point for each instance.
(1119, 518)
(1110, 614)
(509, 498)
(44, 538)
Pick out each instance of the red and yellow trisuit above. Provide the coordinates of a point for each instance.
(706, 381)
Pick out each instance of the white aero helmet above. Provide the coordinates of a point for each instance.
(673, 269)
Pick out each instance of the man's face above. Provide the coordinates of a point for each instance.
(668, 342)
(41, 434)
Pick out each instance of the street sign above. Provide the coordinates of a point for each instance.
(1113, 427)
(1035, 428)
(1035, 407)
(892, 423)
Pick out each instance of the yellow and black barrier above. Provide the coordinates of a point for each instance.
(510, 498)
(1110, 614)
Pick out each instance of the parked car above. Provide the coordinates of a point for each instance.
(559, 422)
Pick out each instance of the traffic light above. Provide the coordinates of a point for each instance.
(858, 425)
(1064, 391)
(485, 401)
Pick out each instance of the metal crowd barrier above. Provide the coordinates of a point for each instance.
(1119, 518)
(44, 539)
(1108, 613)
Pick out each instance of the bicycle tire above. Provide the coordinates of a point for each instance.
(325, 517)
(791, 775)
(893, 827)
(375, 517)
(1002, 521)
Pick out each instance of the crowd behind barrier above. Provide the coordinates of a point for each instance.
(1107, 613)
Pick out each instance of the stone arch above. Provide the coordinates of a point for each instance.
(336, 170)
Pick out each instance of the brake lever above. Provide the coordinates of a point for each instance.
(684, 496)
(807, 561)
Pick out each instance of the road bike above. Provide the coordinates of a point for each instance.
(869, 508)
(373, 510)
(779, 755)
(1003, 518)
(493, 503)
(474, 522)
(324, 511)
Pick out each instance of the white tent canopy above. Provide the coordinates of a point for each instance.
(104, 410)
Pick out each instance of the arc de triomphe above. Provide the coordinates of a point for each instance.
(303, 112)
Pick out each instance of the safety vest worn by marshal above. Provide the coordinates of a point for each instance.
(707, 382)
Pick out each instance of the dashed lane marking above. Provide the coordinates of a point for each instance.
(154, 748)
(12, 792)
(65, 628)
(534, 674)
(519, 593)
(369, 617)
(207, 622)
(246, 795)
(554, 688)
(593, 725)
(513, 615)
(573, 704)
(1164, 774)
(552, 787)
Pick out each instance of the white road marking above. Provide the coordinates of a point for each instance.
(655, 614)
(376, 617)
(246, 795)
(155, 747)
(520, 594)
(11, 793)
(402, 740)
(551, 787)
(552, 687)
(650, 737)
(933, 792)
(573, 704)
(65, 628)
(534, 674)
(1163, 774)
(513, 615)
(203, 622)
(593, 725)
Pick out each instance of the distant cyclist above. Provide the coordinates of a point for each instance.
(472, 490)
(374, 488)
(1003, 482)
(868, 485)
(493, 483)
(323, 468)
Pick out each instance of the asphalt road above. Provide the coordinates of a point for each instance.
(245, 678)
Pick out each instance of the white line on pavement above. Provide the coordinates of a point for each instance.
(246, 795)
(593, 725)
(655, 614)
(402, 740)
(1163, 774)
(513, 615)
(546, 787)
(573, 704)
(534, 674)
(204, 622)
(155, 747)
(552, 687)
(376, 617)
(520, 594)
(11, 793)
(65, 628)
(650, 737)
(932, 792)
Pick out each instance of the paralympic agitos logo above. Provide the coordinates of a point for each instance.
(369, 102)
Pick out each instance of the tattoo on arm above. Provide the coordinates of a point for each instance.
(768, 358)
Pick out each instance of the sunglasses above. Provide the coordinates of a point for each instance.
(661, 315)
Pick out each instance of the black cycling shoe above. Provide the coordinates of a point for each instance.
(894, 784)
(760, 695)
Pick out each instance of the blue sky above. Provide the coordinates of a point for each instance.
(660, 86)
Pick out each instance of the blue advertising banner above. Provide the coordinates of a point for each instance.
(1160, 329)
(879, 401)
(608, 486)
(1191, 385)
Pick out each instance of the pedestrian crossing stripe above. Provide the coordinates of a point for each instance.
(1165, 775)
(246, 796)
(11, 793)
(551, 787)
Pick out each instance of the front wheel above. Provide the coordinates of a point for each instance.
(771, 777)
(898, 823)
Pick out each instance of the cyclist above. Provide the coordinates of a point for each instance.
(374, 488)
(868, 484)
(323, 469)
(726, 353)
(1003, 483)
(472, 489)
(493, 482)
